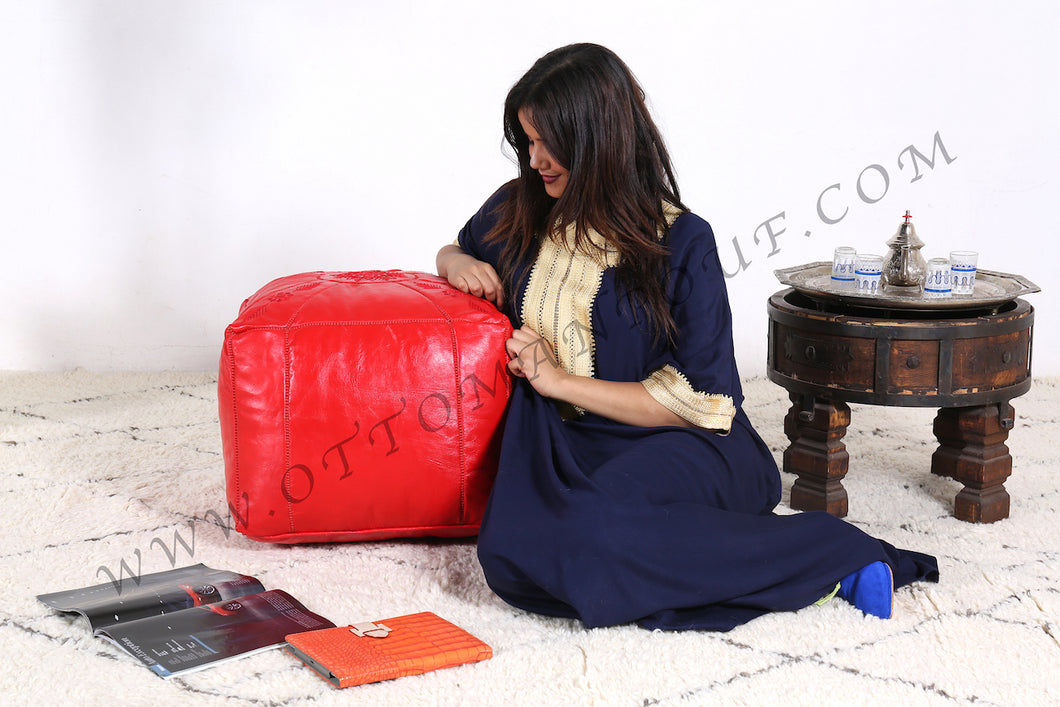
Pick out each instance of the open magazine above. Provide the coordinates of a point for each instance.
(188, 618)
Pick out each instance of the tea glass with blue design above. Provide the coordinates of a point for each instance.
(963, 266)
(937, 279)
(843, 262)
(868, 272)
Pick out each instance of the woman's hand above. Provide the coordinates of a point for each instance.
(468, 274)
(628, 402)
(533, 358)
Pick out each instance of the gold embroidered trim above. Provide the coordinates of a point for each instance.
(559, 298)
(563, 285)
(670, 213)
(711, 411)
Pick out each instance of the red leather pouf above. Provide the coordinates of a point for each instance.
(361, 405)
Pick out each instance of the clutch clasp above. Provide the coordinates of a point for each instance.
(369, 629)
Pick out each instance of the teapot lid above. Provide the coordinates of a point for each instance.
(906, 235)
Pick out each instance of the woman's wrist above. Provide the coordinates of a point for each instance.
(444, 259)
(552, 381)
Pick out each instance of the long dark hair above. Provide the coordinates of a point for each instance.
(589, 109)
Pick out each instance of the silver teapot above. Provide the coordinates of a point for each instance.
(904, 268)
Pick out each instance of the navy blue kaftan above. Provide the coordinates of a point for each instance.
(668, 527)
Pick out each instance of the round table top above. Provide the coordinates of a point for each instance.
(991, 290)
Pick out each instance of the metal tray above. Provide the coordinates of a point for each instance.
(991, 289)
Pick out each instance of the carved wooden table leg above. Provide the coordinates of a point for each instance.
(972, 450)
(817, 454)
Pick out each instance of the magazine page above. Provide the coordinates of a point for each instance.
(205, 635)
(155, 594)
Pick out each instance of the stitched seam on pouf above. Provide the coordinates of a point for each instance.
(230, 347)
(461, 459)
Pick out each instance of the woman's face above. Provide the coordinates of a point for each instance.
(552, 173)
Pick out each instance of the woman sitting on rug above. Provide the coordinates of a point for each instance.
(631, 485)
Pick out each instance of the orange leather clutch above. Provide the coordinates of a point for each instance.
(383, 650)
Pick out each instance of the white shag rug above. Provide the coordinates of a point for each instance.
(100, 469)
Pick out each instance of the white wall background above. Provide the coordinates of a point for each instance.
(160, 161)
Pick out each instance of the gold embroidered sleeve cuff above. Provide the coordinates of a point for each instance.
(711, 411)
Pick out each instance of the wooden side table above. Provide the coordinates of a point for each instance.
(967, 364)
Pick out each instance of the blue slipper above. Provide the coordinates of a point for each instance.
(871, 589)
